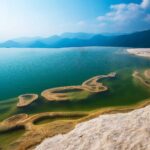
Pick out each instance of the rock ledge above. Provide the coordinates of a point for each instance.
(122, 131)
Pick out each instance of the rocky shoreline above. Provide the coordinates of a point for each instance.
(107, 132)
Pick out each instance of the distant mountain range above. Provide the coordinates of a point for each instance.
(137, 39)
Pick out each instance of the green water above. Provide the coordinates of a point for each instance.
(9, 137)
(48, 119)
(34, 70)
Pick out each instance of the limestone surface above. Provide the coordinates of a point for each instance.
(122, 131)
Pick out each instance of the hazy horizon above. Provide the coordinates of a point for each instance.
(32, 18)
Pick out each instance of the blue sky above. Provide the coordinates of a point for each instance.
(20, 18)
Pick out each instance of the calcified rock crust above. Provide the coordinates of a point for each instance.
(129, 131)
(12, 122)
(147, 73)
(34, 133)
(143, 52)
(20, 120)
(91, 85)
(144, 78)
(26, 99)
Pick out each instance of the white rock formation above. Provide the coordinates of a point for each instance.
(142, 52)
(128, 131)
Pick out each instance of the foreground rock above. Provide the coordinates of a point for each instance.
(122, 131)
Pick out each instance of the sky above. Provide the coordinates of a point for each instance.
(29, 18)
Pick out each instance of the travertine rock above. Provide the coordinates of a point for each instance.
(128, 131)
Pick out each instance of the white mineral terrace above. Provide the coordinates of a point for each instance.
(143, 52)
(122, 131)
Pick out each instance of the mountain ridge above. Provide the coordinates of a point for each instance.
(136, 39)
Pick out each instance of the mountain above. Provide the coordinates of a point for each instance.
(26, 39)
(37, 44)
(51, 40)
(79, 35)
(137, 39)
(9, 44)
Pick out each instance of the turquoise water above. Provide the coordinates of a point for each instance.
(34, 70)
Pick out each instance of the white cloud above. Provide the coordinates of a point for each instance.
(145, 4)
(147, 18)
(81, 23)
(101, 25)
(121, 12)
(123, 16)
